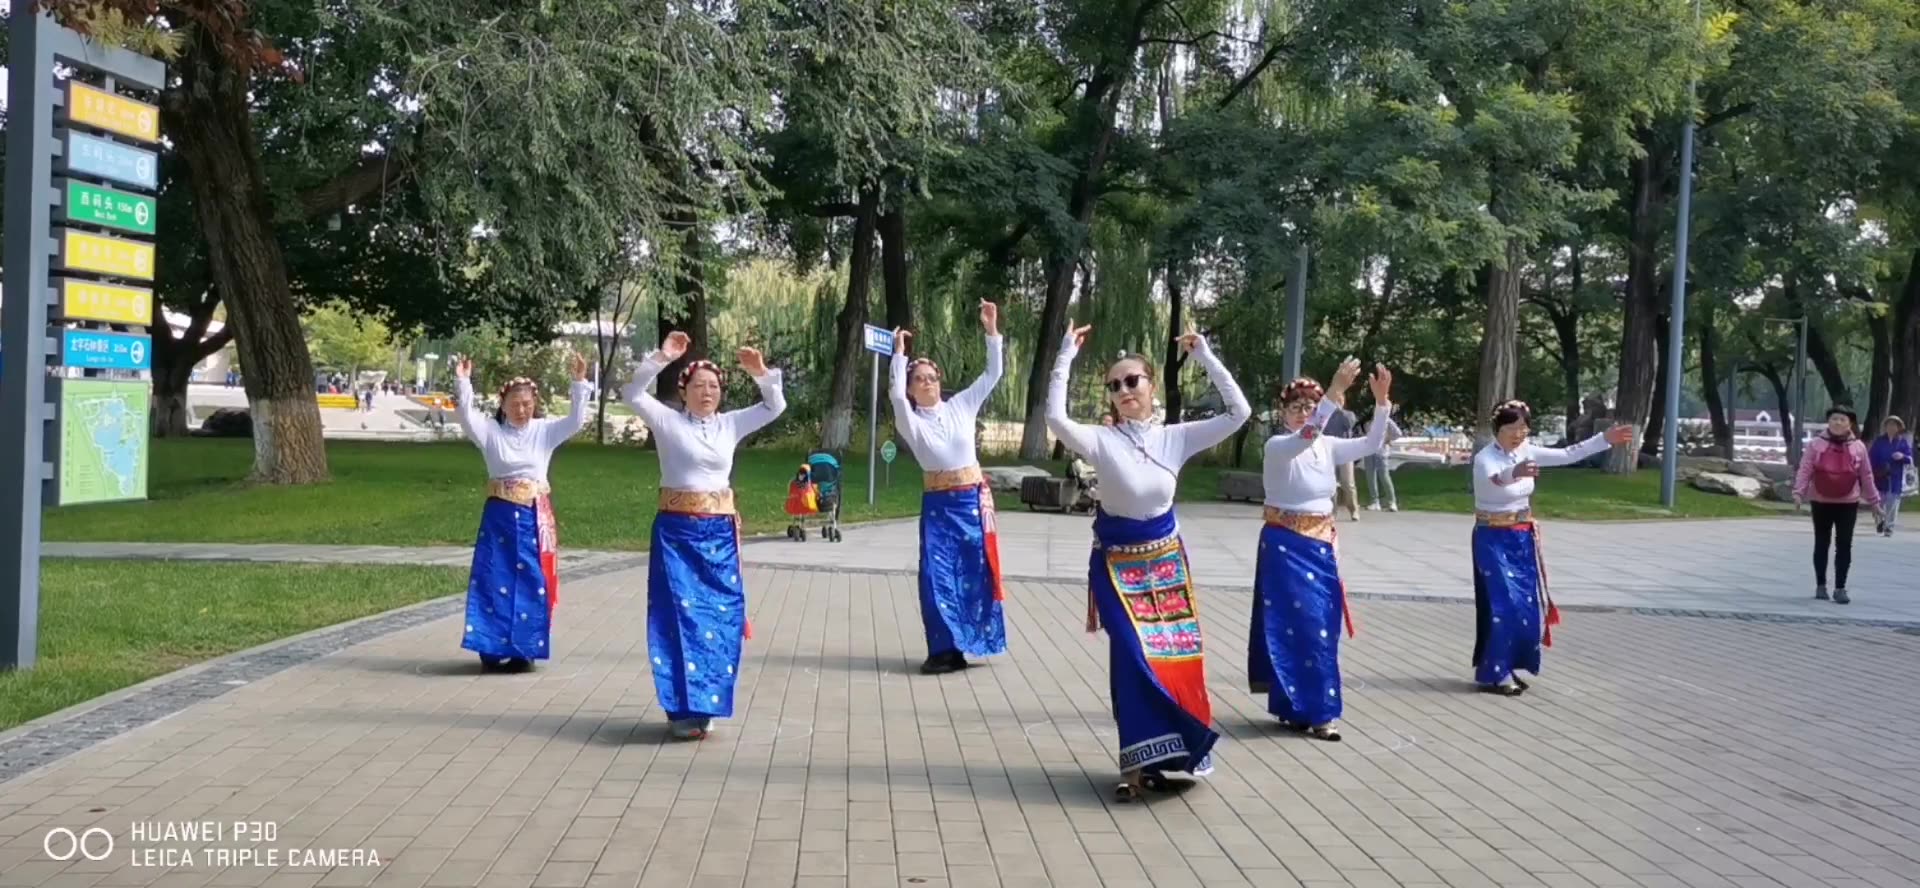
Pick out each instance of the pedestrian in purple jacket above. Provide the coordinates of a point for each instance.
(1890, 454)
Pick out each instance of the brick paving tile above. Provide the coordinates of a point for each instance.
(1655, 751)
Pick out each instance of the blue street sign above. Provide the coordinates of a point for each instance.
(879, 341)
(100, 350)
(94, 156)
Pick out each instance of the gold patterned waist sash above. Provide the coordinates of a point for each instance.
(1311, 525)
(518, 491)
(1503, 520)
(951, 479)
(697, 502)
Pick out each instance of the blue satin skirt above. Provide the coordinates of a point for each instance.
(513, 584)
(696, 614)
(1293, 649)
(1143, 594)
(960, 588)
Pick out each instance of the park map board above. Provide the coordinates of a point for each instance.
(103, 441)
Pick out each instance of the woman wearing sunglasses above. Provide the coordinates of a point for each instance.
(1139, 586)
(960, 591)
(696, 602)
(1299, 602)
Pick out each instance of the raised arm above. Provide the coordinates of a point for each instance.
(897, 383)
(636, 396)
(556, 432)
(1285, 447)
(773, 401)
(976, 394)
(1548, 457)
(1081, 439)
(1347, 450)
(477, 425)
(1194, 437)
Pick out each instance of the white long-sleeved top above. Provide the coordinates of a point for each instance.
(941, 436)
(520, 452)
(1299, 466)
(1494, 487)
(697, 454)
(1139, 462)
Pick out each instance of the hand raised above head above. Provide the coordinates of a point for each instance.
(753, 362)
(675, 345)
(1079, 335)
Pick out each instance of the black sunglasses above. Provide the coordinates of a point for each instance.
(1130, 382)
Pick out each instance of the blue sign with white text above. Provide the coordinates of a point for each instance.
(99, 350)
(94, 156)
(879, 341)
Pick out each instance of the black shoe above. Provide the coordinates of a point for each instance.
(1840, 597)
(941, 664)
(1820, 592)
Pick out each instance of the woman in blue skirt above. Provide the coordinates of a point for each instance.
(1299, 601)
(515, 582)
(960, 589)
(696, 602)
(1139, 585)
(1513, 611)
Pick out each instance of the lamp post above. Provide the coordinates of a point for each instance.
(1677, 313)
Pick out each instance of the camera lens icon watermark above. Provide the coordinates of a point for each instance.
(84, 844)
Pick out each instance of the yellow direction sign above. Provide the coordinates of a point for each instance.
(92, 301)
(80, 251)
(115, 114)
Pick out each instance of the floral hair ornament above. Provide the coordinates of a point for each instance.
(519, 382)
(686, 373)
(1302, 389)
(1516, 406)
(918, 361)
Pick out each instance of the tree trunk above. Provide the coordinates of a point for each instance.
(1566, 329)
(1641, 311)
(1657, 413)
(1170, 389)
(1820, 354)
(1904, 401)
(689, 317)
(1789, 420)
(174, 358)
(836, 432)
(1500, 339)
(1100, 101)
(1717, 410)
(1377, 321)
(1880, 386)
(893, 268)
(214, 135)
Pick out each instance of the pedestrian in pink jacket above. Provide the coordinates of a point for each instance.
(1835, 476)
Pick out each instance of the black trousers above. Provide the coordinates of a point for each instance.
(1833, 526)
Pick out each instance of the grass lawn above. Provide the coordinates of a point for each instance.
(400, 494)
(106, 625)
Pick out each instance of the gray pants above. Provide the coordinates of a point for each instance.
(1379, 479)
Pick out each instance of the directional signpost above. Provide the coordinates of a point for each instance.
(82, 169)
(880, 342)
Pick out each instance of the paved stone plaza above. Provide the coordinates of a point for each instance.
(1657, 750)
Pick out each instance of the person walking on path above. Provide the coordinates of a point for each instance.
(1514, 612)
(1892, 455)
(960, 588)
(1299, 601)
(1139, 584)
(514, 584)
(1379, 469)
(1834, 477)
(696, 602)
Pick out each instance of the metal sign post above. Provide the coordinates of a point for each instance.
(880, 342)
(888, 451)
(69, 144)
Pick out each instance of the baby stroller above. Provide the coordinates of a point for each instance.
(813, 498)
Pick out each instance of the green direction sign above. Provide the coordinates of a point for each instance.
(888, 451)
(109, 208)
